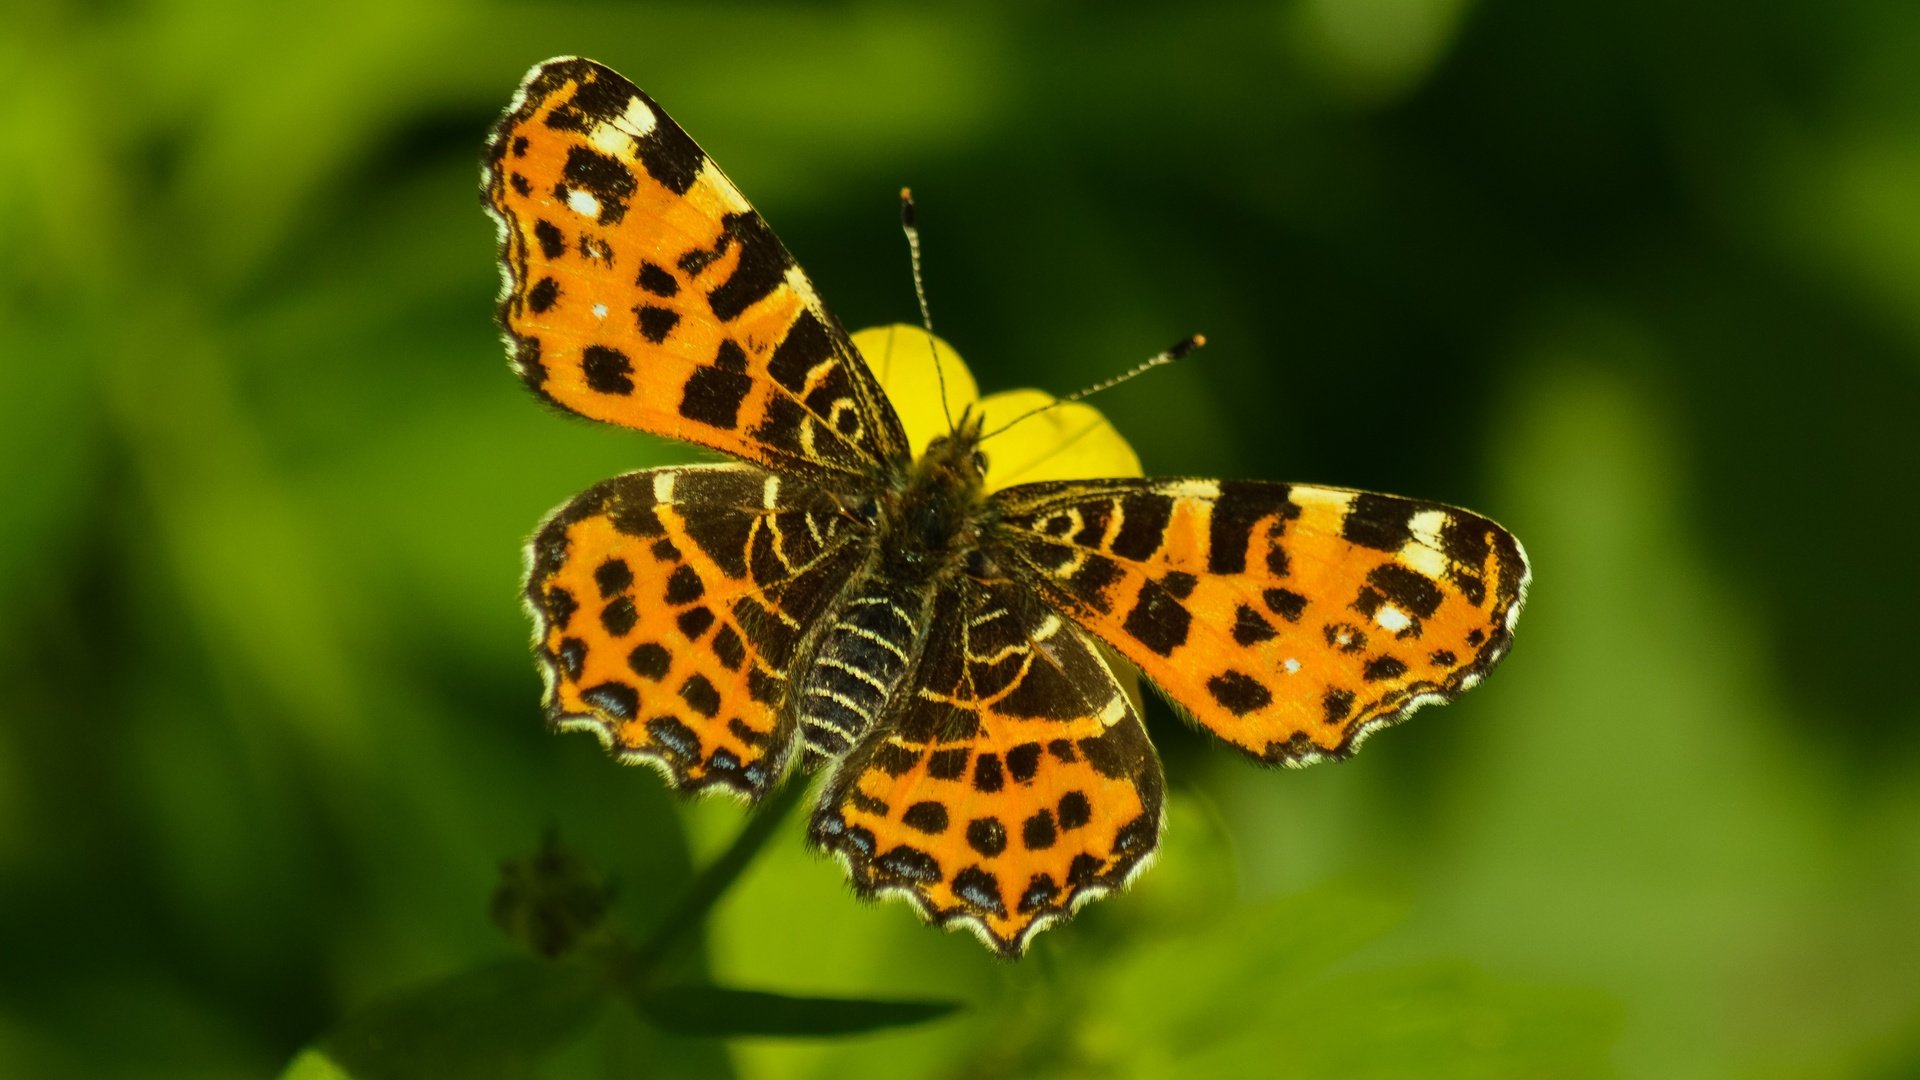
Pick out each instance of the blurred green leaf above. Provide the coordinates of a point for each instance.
(489, 1024)
(1435, 1021)
(723, 1012)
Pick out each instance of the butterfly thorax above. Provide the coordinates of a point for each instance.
(930, 521)
(928, 526)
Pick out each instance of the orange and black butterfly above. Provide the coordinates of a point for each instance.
(831, 600)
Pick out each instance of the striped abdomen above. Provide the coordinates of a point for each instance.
(857, 667)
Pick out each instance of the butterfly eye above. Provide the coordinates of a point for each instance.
(980, 461)
(866, 510)
(980, 566)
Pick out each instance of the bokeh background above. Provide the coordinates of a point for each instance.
(1640, 279)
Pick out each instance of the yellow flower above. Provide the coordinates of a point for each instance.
(1070, 442)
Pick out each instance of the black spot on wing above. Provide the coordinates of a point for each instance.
(572, 656)
(608, 370)
(616, 699)
(1383, 667)
(806, 344)
(1337, 704)
(1083, 870)
(1157, 620)
(619, 616)
(979, 889)
(1239, 693)
(1250, 628)
(988, 777)
(560, 606)
(948, 764)
(1463, 539)
(668, 155)
(552, 243)
(657, 280)
(764, 688)
(1040, 892)
(1023, 762)
(1285, 603)
(684, 586)
(1143, 525)
(730, 357)
(613, 577)
(1092, 580)
(729, 648)
(543, 295)
(650, 660)
(694, 622)
(1075, 810)
(894, 759)
(677, 738)
(602, 176)
(599, 96)
(1407, 589)
(928, 817)
(761, 268)
(712, 396)
(655, 322)
(910, 864)
(987, 836)
(1378, 522)
(1037, 832)
(700, 695)
(1241, 505)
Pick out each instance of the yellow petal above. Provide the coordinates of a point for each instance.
(899, 357)
(1066, 442)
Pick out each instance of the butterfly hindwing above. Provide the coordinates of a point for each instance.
(1291, 621)
(668, 607)
(642, 289)
(1012, 780)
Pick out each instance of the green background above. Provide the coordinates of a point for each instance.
(1640, 279)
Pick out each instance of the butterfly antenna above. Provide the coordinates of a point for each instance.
(910, 224)
(1179, 350)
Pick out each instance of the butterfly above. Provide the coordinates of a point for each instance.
(830, 600)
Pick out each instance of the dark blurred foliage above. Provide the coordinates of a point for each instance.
(1639, 279)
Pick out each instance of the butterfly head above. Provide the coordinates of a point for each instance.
(933, 513)
(955, 459)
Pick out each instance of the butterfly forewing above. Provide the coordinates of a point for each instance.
(1291, 621)
(643, 290)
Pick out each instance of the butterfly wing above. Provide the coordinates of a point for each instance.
(1291, 621)
(668, 606)
(641, 288)
(1011, 781)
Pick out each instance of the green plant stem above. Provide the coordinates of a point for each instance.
(677, 927)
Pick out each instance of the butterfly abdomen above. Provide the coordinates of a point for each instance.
(860, 661)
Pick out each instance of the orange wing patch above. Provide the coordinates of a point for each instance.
(1013, 782)
(1291, 621)
(668, 605)
(643, 290)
